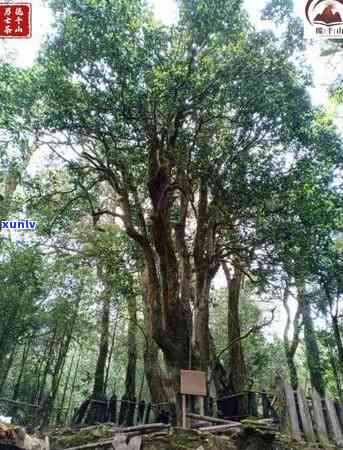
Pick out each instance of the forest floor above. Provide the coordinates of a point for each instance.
(109, 437)
(246, 438)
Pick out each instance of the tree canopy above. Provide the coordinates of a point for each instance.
(175, 153)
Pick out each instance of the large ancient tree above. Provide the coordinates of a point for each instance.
(192, 126)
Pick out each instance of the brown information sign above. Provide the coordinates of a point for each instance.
(193, 382)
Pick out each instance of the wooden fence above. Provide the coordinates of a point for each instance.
(310, 419)
(307, 419)
(117, 410)
(125, 412)
(121, 411)
(254, 404)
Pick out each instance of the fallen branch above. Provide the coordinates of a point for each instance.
(77, 428)
(130, 431)
(209, 419)
(151, 426)
(221, 428)
(151, 435)
(101, 443)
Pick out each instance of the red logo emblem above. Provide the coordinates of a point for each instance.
(324, 12)
(15, 20)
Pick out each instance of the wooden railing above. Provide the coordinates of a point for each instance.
(255, 404)
(310, 419)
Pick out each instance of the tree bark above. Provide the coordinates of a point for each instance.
(201, 338)
(291, 347)
(65, 341)
(114, 333)
(312, 350)
(130, 380)
(169, 266)
(41, 383)
(152, 368)
(25, 355)
(66, 386)
(338, 341)
(334, 312)
(333, 363)
(99, 376)
(76, 373)
(236, 365)
(7, 369)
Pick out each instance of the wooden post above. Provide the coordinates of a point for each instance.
(208, 406)
(192, 382)
(113, 409)
(131, 409)
(202, 405)
(184, 411)
(305, 415)
(292, 412)
(319, 419)
(252, 404)
(147, 413)
(265, 405)
(141, 409)
(334, 421)
(123, 410)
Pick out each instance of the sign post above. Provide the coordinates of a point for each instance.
(193, 382)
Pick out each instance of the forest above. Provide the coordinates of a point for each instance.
(186, 197)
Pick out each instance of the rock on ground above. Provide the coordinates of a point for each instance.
(16, 438)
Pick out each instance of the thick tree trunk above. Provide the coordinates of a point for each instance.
(236, 365)
(205, 267)
(152, 368)
(291, 347)
(200, 356)
(167, 255)
(170, 314)
(293, 373)
(219, 376)
(154, 374)
(312, 350)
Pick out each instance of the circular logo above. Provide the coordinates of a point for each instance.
(324, 12)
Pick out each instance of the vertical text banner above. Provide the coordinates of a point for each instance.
(15, 20)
